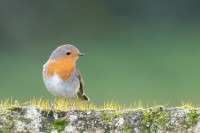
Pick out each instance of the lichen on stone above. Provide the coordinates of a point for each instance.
(156, 119)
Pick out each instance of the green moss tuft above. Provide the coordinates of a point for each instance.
(25, 120)
(117, 114)
(60, 124)
(154, 118)
(9, 117)
(106, 117)
(162, 120)
(193, 117)
(14, 108)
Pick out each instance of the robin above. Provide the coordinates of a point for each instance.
(61, 76)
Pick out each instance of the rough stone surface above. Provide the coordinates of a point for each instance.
(153, 120)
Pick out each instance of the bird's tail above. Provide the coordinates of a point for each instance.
(83, 97)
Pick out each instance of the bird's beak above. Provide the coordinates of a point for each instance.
(81, 54)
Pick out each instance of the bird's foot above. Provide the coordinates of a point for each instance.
(68, 114)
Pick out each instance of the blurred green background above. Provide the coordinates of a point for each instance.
(135, 50)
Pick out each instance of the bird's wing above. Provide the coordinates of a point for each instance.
(81, 94)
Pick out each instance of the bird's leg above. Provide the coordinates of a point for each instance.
(71, 101)
(52, 105)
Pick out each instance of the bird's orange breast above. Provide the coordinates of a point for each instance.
(64, 67)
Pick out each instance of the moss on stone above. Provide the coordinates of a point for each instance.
(12, 126)
(128, 128)
(162, 120)
(90, 117)
(60, 124)
(14, 108)
(193, 117)
(108, 116)
(9, 117)
(7, 127)
(25, 120)
(117, 114)
(154, 118)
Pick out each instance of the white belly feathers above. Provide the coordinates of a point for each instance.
(60, 88)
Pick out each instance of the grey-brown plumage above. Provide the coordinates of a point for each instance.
(81, 95)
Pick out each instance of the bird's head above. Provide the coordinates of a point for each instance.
(67, 52)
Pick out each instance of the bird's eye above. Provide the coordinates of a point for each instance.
(68, 53)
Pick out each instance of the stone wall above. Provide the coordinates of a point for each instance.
(157, 119)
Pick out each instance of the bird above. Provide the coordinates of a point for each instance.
(61, 75)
